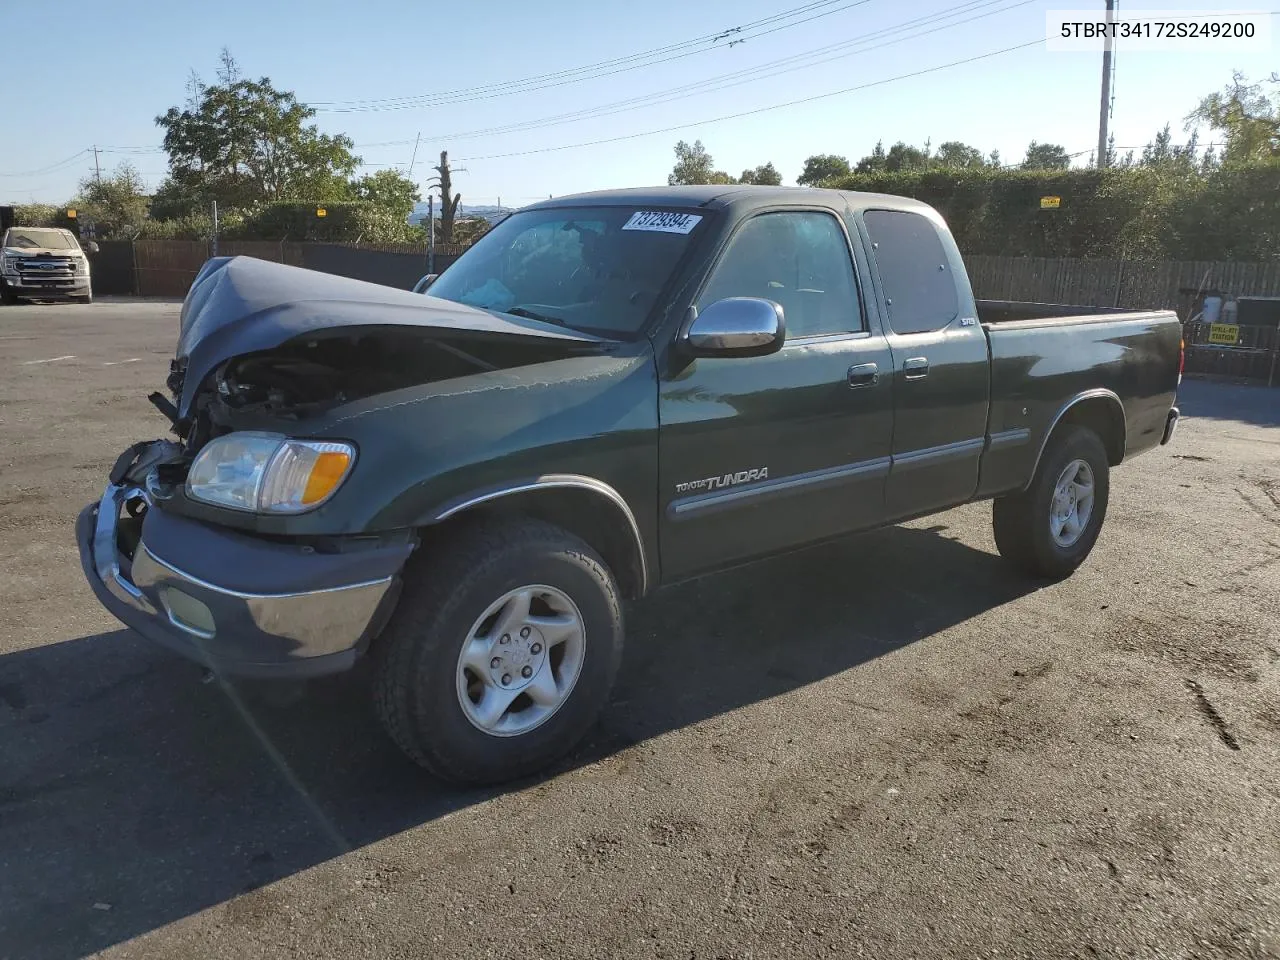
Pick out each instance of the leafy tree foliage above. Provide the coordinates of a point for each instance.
(117, 204)
(822, 167)
(1246, 116)
(766, 175)
(1046, 156)
(243, 142)
(694, 165)
(388, 189)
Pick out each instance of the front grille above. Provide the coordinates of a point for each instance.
(46, 268)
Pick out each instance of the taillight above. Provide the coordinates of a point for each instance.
(1182, 358)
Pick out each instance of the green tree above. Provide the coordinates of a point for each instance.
(953, 153)
(766, 175)
(244, 142)
(874, 162)
(389, 189)
(116, 204)
(901, 156)
(822, 167)
(694, 165)
(1247, 117)
(1045, 156)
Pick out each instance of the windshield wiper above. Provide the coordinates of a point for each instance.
(533, 315)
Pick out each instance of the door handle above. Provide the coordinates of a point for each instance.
(864, 375)
(915, 368)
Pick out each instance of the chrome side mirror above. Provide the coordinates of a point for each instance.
(428, 280)
(735, 327)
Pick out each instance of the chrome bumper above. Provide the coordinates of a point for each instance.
(294, 632)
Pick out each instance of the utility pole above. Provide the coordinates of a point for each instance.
(431, 233)
(1105, 109)
(413, 159)
(97, 171)
(213, 239)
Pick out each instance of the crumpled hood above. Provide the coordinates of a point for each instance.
(240, 305)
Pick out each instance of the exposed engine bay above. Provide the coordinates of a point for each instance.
(309, 375)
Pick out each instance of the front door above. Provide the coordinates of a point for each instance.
(941, 370)
(763, 453)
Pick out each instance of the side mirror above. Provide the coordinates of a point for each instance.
(735, 327)
(91, 246)
(428, 280)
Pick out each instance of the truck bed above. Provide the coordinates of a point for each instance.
(1012, 311)
(1044, 355)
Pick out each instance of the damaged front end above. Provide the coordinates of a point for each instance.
(175, 549)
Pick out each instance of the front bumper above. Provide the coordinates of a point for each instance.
(234, 603)
(50, 289)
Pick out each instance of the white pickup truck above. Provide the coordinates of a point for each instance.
(43, 263)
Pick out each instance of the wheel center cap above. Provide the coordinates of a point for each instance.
(516, 662)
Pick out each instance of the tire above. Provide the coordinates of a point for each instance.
(1027, 525)
(7, 296)
(419, 679)
(87, 298)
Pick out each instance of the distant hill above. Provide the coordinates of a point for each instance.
(465, 210)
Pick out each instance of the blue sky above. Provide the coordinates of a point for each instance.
(120, 64)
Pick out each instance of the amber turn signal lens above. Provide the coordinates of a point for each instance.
(326, 474)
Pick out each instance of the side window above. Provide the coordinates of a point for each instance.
(798, 260)
(917, 279)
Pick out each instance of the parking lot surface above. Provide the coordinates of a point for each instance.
(890, 746)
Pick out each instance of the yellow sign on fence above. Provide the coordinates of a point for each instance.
(1050, 203)
(71, 214)
(321, 212)
(1224, 333)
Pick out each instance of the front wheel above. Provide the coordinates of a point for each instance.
(7, 296)
(501, 654)
(1049, 529)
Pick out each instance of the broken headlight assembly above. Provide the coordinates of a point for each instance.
(268, 473)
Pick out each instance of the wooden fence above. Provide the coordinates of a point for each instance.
(166, 268)
(1117, 283)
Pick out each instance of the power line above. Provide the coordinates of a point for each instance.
(589, 72)
(739, 77)
(757, 110)
(53, 166)
(814, 57)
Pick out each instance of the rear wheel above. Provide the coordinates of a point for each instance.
(1049, 529)
(501, 653)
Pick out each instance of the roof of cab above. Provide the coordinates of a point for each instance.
(721, 195)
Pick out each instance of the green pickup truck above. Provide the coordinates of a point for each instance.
(608, 393)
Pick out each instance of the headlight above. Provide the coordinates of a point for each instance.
(266, 473)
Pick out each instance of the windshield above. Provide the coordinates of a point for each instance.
(31, 238)
(598, 269)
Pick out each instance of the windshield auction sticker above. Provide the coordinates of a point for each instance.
(662, 222)
(1185, 31)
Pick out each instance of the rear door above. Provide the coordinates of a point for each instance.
(760, 454)
(941, 370)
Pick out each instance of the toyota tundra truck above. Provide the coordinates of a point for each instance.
(606, 394)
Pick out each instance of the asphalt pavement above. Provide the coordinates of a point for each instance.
(887, 747)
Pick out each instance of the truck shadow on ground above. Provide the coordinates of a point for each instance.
(132, 794)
